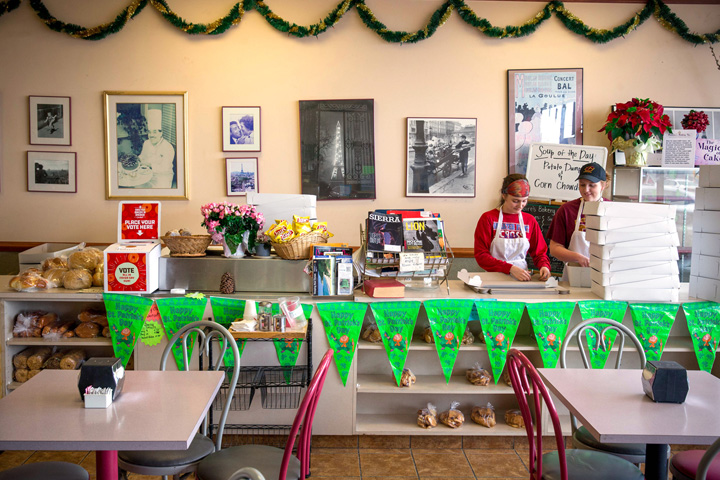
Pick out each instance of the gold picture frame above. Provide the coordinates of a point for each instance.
(146, 145)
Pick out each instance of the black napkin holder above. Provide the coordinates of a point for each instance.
(665, 382)
(102, 372)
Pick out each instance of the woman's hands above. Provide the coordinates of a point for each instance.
(544, 273)
(524, 276)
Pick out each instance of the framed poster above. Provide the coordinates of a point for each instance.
(52, 172)
(146, 145)
(543, 106)
(337, 149)
(440, 157)
(241, 129)
(242, 176)
(50, 120)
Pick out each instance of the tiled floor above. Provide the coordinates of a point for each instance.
(375, 457)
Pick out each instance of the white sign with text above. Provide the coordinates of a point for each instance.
(553, 168)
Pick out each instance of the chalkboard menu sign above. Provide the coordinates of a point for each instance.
(544, 214)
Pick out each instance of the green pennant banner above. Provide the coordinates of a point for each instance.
(652, 322)
(342, 321)
(396, 323)
(176, 312)
(152, 330)
(601, 309)
(126, 316)
(550, 322)
(287, 350)
(499, 322)
(225, 311)
(703, 321)
(448, 319)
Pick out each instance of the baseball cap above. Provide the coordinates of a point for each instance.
(593, 172)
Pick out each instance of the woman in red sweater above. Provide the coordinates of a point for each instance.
(505, 235)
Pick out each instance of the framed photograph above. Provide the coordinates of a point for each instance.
(146, 145)
(50, 121)
(242, 176)
(337, 149)
(440, 157)
(543, 106)
(241, 129)
(52, 172)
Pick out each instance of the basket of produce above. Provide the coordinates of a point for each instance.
(299, 247)
(187, 245)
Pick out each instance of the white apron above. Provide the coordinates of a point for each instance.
(577, 240)
(511, 250)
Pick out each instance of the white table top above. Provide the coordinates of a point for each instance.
(612, 405)
(155, 411)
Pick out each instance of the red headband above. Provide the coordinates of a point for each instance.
(518, 188)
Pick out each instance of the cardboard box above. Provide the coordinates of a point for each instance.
(132, 268)
(33, 257)
(638, 253)
(705, 266)
(578, 276)
(629, 263)
(710, 175)
(662, 226)
(706, 221)
(706, 244)
(636, 279)
(605, 237)
(613, 223)
(707, 198)
(624, 293)
(627, 209)
(705, 288)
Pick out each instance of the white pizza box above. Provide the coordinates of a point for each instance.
(35, 256)
(705, 288)
(628, 263)
(707, 198)
(706, 244)
(628, 209)
(710, 175)
(626, 293)
(578, 276)
(647, 239)
(132, 268)
(613, 223)
(705, 266)
(636, 279)
(633, 252)
(663, 226)
(706, 221)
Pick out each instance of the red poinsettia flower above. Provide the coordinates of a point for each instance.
(639, 118)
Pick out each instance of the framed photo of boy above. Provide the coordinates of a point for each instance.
(242, 176)
(50, 120)
(146, 145)
(241, 129)
(52, 172)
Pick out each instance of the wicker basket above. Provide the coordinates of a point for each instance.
(298, 247)
(187, 245)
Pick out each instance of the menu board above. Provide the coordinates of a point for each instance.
(544, 213)
(553, 168)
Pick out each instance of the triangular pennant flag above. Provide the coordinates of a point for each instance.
(287, 350)
(396, 322)
(176, 312)
(448, 320)
(342, 321)
(653, 322)
(601, 309)
(499, 322)
(225, 311)
(152, 330)
(703, 321)
(126, 316)
(550, 322)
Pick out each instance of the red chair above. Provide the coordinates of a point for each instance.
(697, 464)
(561, 464)
(273, 462)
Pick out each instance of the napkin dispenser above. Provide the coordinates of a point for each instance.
(665, 382)
(100, 372)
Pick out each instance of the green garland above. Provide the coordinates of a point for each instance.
(667, 18)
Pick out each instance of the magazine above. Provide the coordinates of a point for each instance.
(384, 232)
(424, 234)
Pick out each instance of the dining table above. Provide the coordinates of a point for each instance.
(614, 408)
(155, 410)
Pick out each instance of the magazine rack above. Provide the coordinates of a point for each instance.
(437, 267)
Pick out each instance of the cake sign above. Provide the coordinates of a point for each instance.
(139, 221)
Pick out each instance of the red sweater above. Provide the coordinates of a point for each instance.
(485, 232)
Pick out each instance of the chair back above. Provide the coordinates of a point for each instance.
(526, 382)
(707, 459)
(304, 419)
(207, 331)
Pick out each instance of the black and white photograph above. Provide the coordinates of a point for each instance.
(242, 176)
(146, 136)
(441, 157)
(52, 172)
(241, 129)
(337, 149)
(50, 120)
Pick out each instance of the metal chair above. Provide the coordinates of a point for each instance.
(697, 464)
(175, 462)
(560, 464)
(45, 470)
(582, 438)
(274, 462)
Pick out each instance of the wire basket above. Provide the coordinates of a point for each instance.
(280, 387)
(187, 245)
(272, 435)
(299, 247)
(244, 392)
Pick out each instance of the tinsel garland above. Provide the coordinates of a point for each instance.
(666, 17)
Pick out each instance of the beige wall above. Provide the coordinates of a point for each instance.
(456, 73)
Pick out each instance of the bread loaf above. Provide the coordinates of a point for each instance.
(106, 332)
(53, 361)
(83, 259)
(77, 279)
(29, 324)
(54, 262)
(58, 328)
(95, 316)
(72, 359)
(32, 373)
(21, 375)
(20, 358)
(87, 330)
(37, 358)
(55, 276)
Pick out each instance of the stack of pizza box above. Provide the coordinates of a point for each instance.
(633, 251)
(705, 261)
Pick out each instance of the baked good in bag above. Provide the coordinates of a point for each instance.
(96, 252)
(453, 417)
(83, 259)
(371, 334)
(407, 378)
(54, 262)
(96, 316)
(72, 359)
(88, 330)
(29, 280)
(468, 337)
(484, 416)
(55, 276)
(478, 375)
(427, 417)
(77, 279)
(428, 335)
(514, 418)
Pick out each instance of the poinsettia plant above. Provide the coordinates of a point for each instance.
(640, 118)
(695, 120)
(229, 221)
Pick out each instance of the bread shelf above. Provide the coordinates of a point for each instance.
(61, 342)
(429, 384)
(384, 424)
